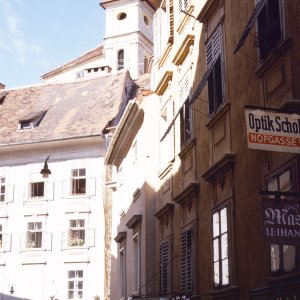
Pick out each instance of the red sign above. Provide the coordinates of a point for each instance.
(281, 221)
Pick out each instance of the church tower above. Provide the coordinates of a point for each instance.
(128, 40)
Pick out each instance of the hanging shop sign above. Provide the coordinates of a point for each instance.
(281, 221)
(273, 130)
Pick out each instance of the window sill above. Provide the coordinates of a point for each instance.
(216, 116)
(166, 170)
(186, 147)
(273, 57)
(283, 277)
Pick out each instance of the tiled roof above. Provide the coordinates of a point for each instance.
(80, 108)
(91, 54)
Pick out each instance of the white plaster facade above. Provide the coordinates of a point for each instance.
(37, 264)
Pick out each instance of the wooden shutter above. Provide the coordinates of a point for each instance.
(213, 47)
(186, 261)
(91, 186)
(9, 195)
(90, 237)
(6, 242)
(47, 241)
(66, 184)
(49, 190)
(164, 267)
(184, 87)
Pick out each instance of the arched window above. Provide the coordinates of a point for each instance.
(121, 59)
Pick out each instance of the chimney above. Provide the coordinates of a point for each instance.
(2, 86)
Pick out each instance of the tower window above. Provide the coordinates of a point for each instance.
(120, 59)
(121, 16)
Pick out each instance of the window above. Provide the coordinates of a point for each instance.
(136, 262)
(282, 257)
(2, 189)
(76, 233)
(220, 248)
(123, 272)
(183, 4)
(80, 74)
(269, 28)
(121, 59)
(75, 284)
(121, 16)
(37, 189)
(34, 235)
(32, 120)
(185, 124)
(164, 259)
(186, 262)
(214, 61)
(78, 181)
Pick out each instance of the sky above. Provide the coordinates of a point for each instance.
(36, 36)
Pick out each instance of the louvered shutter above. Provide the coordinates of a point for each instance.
(164, 260)
(213, 48)
(184, 87)
(164, 29)
(186, 261)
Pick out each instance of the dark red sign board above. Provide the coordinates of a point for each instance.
(281, 221)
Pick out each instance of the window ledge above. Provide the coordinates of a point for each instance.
(186, 147)
(166, 170)
(273, 56)
(165, 55)
(184, 20)
(215, 117)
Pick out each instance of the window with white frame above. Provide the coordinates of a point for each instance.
(136, 262)
(76, 233)
(75, 284)
(37, 189)
(220, 248)
(215, 77)
(283, 258)
(269, 27)
(78, 181)
(2, 188)
(34, 236)
(164, 268)
(187, 262)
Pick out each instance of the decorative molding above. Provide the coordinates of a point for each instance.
(184, 49)
(217, 172)
(134, 221)
(186, 197)
(120, 236)
(163, 83)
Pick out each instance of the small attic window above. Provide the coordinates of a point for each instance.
(121, 16)
(32, 120)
